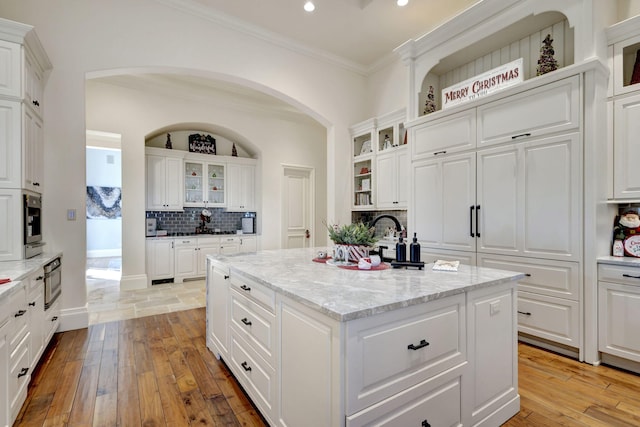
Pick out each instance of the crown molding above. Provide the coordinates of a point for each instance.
(623, 30)
(232, 23)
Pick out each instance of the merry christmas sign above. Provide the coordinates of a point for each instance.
(483, 84)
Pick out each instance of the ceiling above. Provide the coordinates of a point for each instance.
(360, 32)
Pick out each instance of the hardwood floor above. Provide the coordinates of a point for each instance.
(157, 371)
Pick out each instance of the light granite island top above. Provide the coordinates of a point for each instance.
(317, 345)
(344, 294)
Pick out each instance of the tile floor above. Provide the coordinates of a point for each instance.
(106, 302)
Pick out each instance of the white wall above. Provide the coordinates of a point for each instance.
(83, 37)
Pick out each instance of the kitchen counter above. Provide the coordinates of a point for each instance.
(616, 260)
(206, 235)
(351, 294)
(18, 270)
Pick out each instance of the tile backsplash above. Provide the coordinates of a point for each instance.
(187, 221)
(368, 216)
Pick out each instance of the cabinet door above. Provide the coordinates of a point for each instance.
(248, 244)
(218, 309)
(173, 183)
(498, 199)
(35, 304)
(241, 187)
(193, 183)
(160, 259)
(186, 264)
(618, 321)
(33, 85)
(10, 74)
(10, 113)
(626, 150)
(33, 152)
(402, 178)
(443, 194)
(215, 193)
(386, 181)
(11, 244)
(450, 134)
(204, 250)
(156, 185)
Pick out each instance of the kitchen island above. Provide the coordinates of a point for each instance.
(315, 344)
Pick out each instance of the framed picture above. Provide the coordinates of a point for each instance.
(366, 184)
(200, 143)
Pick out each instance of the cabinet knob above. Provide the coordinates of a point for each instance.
(36, 184)
(32, 304)
(54, 318)
(425, 423)
(23, 372)
(245, 288)
(226, 277)
(246, 321)
(20, 313)
(246, 366)
(39, 277)
(35, 102)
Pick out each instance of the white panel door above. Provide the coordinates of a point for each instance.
(10, 144)
(626, 149)
(174, 182)
(297, 208)
(10, 74)
(498, 194)
(386, 181)
(156, 172)
(426, 202)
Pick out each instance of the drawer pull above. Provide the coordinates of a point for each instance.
(527, 274)
(20, 313)
(246, 366)
(226, 277)
(54, 318)
(425, 423)
(39, 277)
(246, 321)
(423, 343)
(32, 304)
(526, 313)
(23, 372)
(520, 136)
(440, 152)
(631, 276)
(245, 288)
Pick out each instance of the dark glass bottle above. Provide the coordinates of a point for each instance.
(401, 250)
(414, 250)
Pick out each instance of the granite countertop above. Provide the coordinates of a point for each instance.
(350, 294)
(18, 270)
(616, 260)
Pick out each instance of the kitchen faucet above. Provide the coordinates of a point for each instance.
(399, 229)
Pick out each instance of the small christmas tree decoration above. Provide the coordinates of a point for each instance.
(430, 104)
(547, 62)
(168, 144)
(234, 151)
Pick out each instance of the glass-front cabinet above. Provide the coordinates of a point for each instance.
(204, 184)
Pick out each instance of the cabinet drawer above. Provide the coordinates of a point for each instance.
(619, 274)
(438, 403)
(255, 375)
(396, 350)
(255, 291)
(554, 319)
(554, 107)
(35, 284)
(18, 318)
(450, 134)
(255, 324)
(19, 377)
(553, 278)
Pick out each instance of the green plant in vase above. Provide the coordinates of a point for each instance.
(352, 241)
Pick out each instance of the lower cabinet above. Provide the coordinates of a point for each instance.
(36, 313)
(618, 321)
(450, 361)
(5, 419)
(159, 259)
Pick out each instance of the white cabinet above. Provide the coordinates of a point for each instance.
(241, 186)
(206, 246)
(392, 179)
(618, 322)
(186, 258)
(160, 259)
(248, 244)
(229, 245)
(51, 321)
(164, 182)
(204, 183)
(11, 212)
(36, 313)
(5, 326)
(21, 89)
(447, 135)
(19, 341)
(626, 150)
(218, 309)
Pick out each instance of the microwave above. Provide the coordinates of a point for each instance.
(32, 224)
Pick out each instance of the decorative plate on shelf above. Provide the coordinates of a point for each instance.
(366, 147)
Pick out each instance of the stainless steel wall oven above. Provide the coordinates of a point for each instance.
(32, 225)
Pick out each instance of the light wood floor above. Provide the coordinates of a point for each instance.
(157, 371)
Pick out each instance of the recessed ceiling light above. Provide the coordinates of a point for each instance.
(402, 2)
(309, 6)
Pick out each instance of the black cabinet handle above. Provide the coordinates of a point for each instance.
(23, 372)
(36, 184)
(526, 313)
(423, 343)
(39, 277)
(527, 274)
(246, 366)
(54, 318)
(521, 135)
(245, 288)
(246, 321)
(471, 233)
(226, 277)
(425, 423)
(20, 313)
(32, 304)
(630, 276)
(35, 102)
(477, 221)
(440, 152)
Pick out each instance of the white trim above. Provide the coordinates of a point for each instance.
(73, 318)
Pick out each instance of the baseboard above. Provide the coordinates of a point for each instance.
(103, 253)
(73, 318)
(134, 281)
(502, 414)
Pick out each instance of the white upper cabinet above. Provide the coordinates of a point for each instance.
(10, 59)
(164, 182)
(241, 186)
(626, 149)
(446, 135)
(392, 179)
(10, 148)
(552, 108)
(204, 183)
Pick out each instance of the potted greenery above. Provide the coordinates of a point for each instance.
(353, 241)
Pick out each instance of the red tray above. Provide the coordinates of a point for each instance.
(321, 260)
(382, 266)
